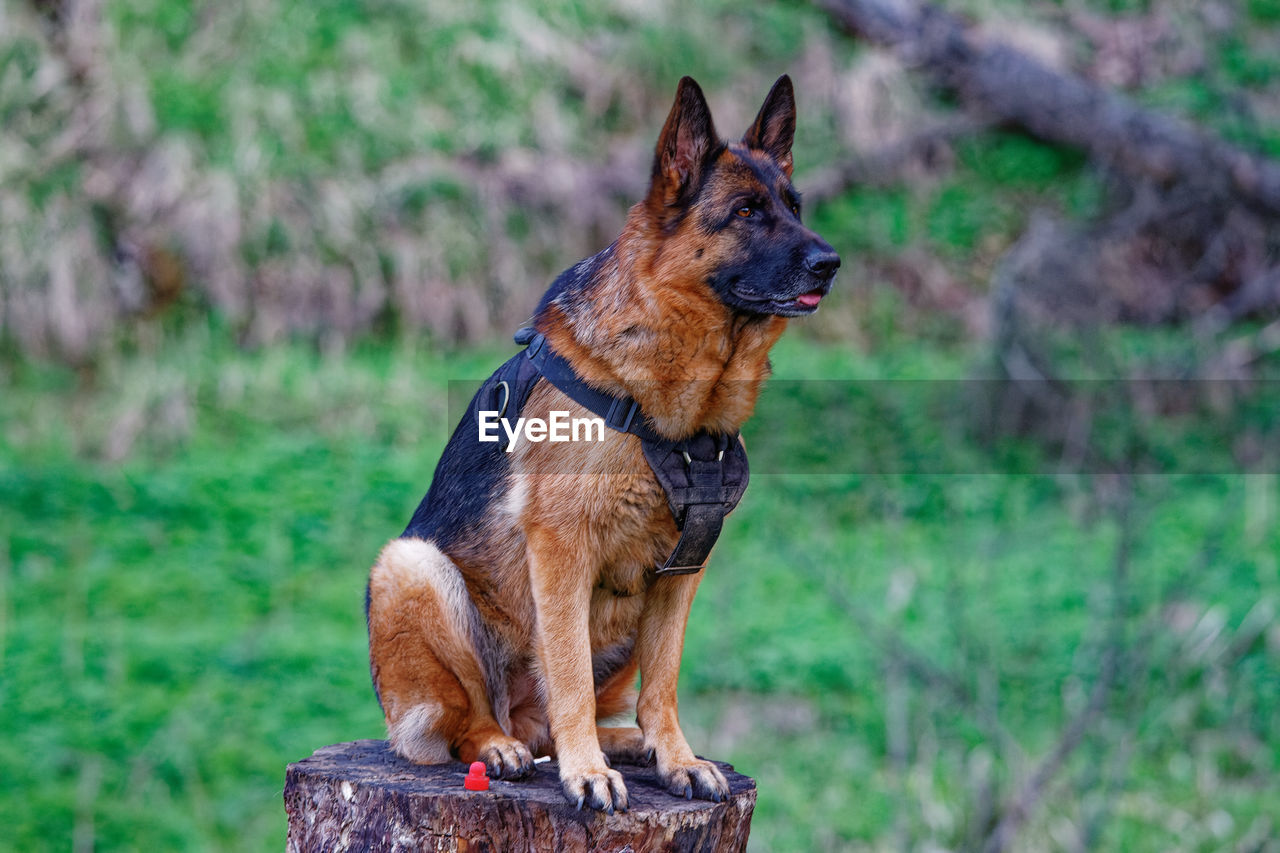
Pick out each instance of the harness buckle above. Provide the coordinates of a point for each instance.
(688, 460)
(661, 571)
(617, 418)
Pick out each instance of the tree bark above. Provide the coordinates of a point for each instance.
(361, 796)
(1011, 87)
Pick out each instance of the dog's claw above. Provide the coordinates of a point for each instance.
(507, 758)
(700, 779)
(598, 789)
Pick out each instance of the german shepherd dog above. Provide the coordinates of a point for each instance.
(513, 614)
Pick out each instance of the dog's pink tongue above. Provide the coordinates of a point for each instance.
(810, 299)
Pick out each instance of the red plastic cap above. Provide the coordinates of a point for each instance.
(476, 779)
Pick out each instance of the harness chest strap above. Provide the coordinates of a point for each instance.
(703, 476)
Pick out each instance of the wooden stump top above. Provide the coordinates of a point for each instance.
(362, 796)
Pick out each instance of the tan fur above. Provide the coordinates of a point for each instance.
(562, 573)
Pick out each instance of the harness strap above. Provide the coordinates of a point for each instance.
(620, 413)
(703, 476)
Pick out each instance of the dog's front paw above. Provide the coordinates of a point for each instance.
(597, 787)
(696, 778)
(506, 758)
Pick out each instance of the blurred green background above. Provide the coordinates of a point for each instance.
(245, 246)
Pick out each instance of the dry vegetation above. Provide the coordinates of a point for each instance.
(146, 168)
(432, 168)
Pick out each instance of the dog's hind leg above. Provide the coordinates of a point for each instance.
(425, 667)
(624, 745)
(620, 744)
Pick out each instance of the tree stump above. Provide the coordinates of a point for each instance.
(362, 796)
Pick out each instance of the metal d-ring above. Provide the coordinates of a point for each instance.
(506, 397)
(689, 461)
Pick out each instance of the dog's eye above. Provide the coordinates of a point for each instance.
(745, 211)
(795, 208)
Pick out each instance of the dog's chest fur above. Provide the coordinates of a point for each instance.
(604, 494)
(605, 502)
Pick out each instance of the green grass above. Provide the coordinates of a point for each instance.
(179, 625)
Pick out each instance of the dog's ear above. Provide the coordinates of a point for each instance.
(686, 140)
(775, 126)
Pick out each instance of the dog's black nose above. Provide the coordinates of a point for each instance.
(822, 261)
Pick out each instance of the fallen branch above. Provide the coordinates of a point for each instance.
(1011, 87)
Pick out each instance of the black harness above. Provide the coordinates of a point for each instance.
(703, 476)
